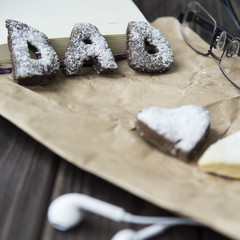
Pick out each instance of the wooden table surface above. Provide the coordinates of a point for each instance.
(31, 176)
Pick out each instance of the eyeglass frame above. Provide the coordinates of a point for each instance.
(217, 30)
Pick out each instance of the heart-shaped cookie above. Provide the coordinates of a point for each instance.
(178, 131)
(223, 157)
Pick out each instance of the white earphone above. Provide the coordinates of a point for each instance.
(145, 233)
(65, 212)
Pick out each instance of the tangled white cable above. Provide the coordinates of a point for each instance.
(65, 212)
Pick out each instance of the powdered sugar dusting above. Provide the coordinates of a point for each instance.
(224, 150)
(185, 126)
(19, 38)
(86, 43)
(140, 33)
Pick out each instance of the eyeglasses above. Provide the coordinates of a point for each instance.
(201, 32)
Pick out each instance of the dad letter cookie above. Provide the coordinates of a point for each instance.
(86, 44)
(147, 49)
(223, 157)
(180, 131)
(27, 70)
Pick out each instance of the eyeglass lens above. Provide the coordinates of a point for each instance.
(197, 22)
(230, 61)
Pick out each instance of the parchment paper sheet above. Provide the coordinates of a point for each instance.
(89, 121)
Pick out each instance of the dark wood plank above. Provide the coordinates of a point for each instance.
(152, 9)
(27, 172)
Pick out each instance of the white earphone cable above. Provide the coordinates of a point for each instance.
(161, 220)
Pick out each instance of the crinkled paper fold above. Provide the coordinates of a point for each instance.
(89, 121)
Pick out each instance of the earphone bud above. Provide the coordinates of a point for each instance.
(145, 233)
(65, 212)
(125, 234)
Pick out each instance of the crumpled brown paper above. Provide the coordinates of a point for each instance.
(89, 121)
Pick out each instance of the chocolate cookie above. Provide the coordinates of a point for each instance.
(180, 132)
(87, 45)
(147, 49)
(25, 69)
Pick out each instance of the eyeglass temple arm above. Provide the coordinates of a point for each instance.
(229, 8)
(206, 24)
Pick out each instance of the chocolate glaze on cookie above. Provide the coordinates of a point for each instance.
(180, 131)
(87, 45)
(147, 49)
(27, 70)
